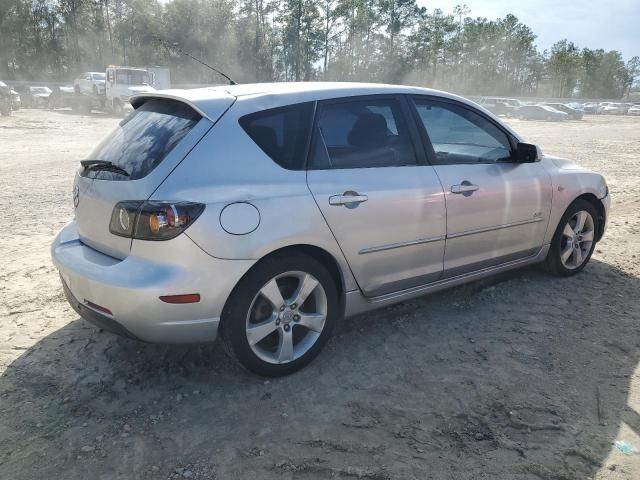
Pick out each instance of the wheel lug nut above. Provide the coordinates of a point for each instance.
(282, 308)
(296, 318)
(286, 327)
(277, 321)
(293, 306)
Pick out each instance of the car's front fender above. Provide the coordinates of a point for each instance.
(570, 181)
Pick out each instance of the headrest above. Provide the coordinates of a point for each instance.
(370, 129)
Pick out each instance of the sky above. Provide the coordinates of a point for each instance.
(611, 25)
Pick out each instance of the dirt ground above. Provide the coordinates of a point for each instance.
(523, 376)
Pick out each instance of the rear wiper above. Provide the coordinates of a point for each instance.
(103, 165)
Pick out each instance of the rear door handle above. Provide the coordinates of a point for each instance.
(348, 199)
(464, 187)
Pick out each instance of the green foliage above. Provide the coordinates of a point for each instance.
(265, 40)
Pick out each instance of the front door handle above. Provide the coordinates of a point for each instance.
(466, 188)
(348, 199)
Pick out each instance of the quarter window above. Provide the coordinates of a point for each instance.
(282, 133)
(461, 136)
(362, 134)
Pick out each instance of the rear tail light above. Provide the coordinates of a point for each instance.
(153, 220)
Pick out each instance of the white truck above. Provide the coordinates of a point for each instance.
(124, 82)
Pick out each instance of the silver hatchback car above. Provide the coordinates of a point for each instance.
(266, 212)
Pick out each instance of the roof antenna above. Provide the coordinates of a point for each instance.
(174, 46)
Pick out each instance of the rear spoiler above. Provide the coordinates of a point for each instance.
(211, 103)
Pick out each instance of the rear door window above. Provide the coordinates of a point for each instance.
(143, 140)
(362, 134)
(282, 133)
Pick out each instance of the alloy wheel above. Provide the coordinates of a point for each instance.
(577, 240)
(286, 317)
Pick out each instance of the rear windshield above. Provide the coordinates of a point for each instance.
(143, 140)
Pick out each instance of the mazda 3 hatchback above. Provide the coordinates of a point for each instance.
(267, 212)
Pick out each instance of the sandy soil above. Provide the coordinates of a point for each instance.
(520, 377)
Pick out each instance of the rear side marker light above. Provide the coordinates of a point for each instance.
(187, 298)
(97, 307)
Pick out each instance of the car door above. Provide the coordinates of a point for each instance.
(384, 207)
(497, 208)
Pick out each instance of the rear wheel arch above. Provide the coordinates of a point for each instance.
(319, 254)
(306, 259)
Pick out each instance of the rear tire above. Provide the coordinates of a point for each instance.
(287, 328)
(574, 240)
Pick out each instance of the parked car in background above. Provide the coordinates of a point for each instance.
(62, 97)
(40, 96)
(591, 107)
(25, 95)
(16, 102)
(500, 106)
(634, 110)
(34, 97)
(205, 213)
(573, 113)
(5, 99)
(540, 112)
(612, 108)
(90, 83)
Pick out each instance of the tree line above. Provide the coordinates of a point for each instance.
(392, 41)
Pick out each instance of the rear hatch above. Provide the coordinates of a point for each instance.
(147, 145)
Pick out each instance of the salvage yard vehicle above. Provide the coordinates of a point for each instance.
(612, 108)
(540, 112)
(39, 97)
(62, 97)
(122, 83)
(501, 106)
(634, 110)
(90, 83)
(591, 107)
(16, 102)
(267, 212)
(5, 100)
(573, 113)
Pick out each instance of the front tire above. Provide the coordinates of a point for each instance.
(280, 315)
(574, 240)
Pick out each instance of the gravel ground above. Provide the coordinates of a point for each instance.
(522, 376)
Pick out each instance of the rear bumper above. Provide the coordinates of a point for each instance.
(130, 288)
(98, 319)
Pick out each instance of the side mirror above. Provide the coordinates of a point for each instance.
(526, 153)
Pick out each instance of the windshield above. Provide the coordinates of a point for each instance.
(132, 77)
(98, 76)
(40, 90)
(144, 139)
